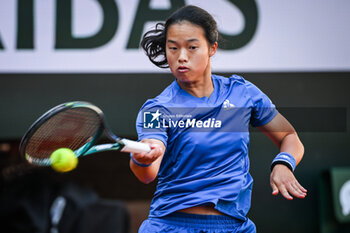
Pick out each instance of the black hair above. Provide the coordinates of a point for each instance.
(153, 41)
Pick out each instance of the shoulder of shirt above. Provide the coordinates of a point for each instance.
(232, 79)
(236, 81)
(163, 98)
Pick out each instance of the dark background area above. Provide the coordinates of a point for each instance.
(317, 104)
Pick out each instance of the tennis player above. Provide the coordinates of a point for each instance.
(198, 131)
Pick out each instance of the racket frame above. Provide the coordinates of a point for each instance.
(124, 145)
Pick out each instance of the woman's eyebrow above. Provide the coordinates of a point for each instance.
(189, 40)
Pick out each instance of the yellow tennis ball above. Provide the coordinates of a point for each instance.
(63, 160)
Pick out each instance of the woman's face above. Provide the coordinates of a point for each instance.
(188, 52)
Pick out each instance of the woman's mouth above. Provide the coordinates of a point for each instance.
(183, 69)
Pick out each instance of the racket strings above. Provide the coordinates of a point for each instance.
(71, 128)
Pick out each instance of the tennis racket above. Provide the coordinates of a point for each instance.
(75, 125)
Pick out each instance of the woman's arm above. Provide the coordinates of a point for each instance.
(282, 179)
(154, 157)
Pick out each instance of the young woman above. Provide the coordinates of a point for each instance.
(204, 183)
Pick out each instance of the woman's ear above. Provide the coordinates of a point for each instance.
(212, 49)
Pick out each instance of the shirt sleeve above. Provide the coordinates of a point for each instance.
(149, 123)
(263, 110)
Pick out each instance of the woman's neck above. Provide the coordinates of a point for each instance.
(203, 87)
(198, 89)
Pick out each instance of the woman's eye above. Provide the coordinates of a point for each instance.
(193, 47)
(172, 48)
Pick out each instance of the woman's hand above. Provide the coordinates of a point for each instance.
(157, 150)
(153, 158)
(282, 181)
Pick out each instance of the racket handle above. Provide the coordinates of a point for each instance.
(134, 147)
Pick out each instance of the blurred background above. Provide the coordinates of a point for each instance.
(51, 52)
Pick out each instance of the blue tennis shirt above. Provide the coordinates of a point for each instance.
(207, 139)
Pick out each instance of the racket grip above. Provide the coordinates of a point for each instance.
(134, 147)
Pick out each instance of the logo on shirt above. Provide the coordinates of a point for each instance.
(227, 105)
(151, 120)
